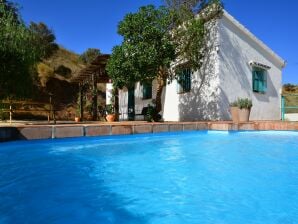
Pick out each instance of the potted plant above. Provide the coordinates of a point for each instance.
(110, 110)
(244, 106)
(234, 111)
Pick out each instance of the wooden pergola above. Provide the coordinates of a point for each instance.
(94, 73)
(95, 69)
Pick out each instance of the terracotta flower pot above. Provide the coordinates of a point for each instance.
(111, 117)
(234, 114)
(77, 119)
(244, 115)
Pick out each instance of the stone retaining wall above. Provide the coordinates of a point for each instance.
(80, 130)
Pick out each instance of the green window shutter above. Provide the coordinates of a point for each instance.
(187, 80)
(259, 81)
(184, 81)
(147, 90)
(255, 81)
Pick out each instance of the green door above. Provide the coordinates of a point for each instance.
(131, 104)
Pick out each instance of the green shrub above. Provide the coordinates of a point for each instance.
(150, 114)
(244, 103)
(3, 116)
(110, 109)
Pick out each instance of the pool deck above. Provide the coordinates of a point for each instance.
(25, 131)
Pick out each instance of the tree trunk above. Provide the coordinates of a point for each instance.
(158, 102)
(161, 81)
(116, 102)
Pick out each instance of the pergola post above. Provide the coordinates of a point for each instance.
(92, 74)
(94, 97)
(81, 101)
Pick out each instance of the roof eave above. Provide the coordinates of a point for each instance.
(261, 44)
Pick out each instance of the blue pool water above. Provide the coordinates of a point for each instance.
(195, 177)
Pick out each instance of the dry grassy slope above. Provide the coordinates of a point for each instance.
(65, 93)
(291, 100)
(66, 58)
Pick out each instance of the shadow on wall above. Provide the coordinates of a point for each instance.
(202, 102)
(224, 105)
(233, 70)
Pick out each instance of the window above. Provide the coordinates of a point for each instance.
(147, 91)
(184, 81)
(259, 81)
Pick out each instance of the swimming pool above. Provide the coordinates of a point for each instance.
(196, 177)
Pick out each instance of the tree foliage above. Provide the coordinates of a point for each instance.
(147, 50)
(21, 48)
(154, 38)
(44, 38)
(18, 53)
(89, 55)
(193, 22)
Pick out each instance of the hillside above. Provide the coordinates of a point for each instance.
(63, 64)
(66, 58)
(291, 96)
(55, 74)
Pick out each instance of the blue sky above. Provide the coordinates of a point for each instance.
(79, 25)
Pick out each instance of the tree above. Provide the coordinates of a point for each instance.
(44, 38)
(89, 55)
(18, 53)
(193, 25)
(147, 50)
(10, 7)
(155, 38)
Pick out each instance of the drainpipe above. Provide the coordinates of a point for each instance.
(282, 108)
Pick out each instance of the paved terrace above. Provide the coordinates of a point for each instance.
(25, 131)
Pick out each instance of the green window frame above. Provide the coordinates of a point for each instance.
(147, 91)
(184, 81)
(259, 81)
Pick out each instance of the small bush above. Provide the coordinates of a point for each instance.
(3, 115)
(110, 109)
(244, 103)
(63, 71)
(150, 114)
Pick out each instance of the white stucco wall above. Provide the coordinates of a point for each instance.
(123, 100)
(236, 49)
(291, 117)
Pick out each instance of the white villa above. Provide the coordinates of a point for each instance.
(240, 66)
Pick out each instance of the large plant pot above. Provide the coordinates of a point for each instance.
(244, 115)
(111, 117)
(234, 114)
(77, 119)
